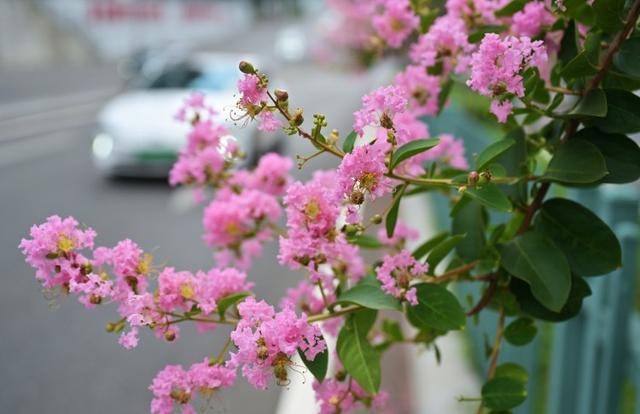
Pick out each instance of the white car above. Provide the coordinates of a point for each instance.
(138, 135)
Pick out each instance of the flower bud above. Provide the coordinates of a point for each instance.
(297, 119)
(386, 121)
(180, 396)
(350, 229)
(473, 178)
(246, 67)
(485, 177)
(357, 197)
(95, 299)
(462, 189)
(110, 327)
(281, 95)
(377, 219)
(170, 336)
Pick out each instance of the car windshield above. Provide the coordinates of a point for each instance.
(185, 76)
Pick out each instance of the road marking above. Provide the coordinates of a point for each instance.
(32, 149)
(67, 118)
(29, 107)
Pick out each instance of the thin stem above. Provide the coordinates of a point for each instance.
(486, 297)
(562, 90)
(182, 318)
(452, 274)
(325, 316)
(220, 358)
(324, 296)
(495, 351)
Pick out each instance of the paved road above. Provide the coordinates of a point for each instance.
(62, 361)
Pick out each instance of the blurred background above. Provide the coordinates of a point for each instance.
(88, 89)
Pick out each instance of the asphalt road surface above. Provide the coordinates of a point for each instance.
(60, 359)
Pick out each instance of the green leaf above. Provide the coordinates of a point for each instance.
(392, 330)
(369, 294)
(471, 221)
(426, 247)
(411, 149)
(503, 393)
(623, 115)
(318, 367)
(513, 371)
(444, 94)
(621, 154)
(477, 36)
(534, 258)
(366, 241)
(359, 358)
(437, 308)
(491, 196)
(593, 103)
(392, 215)
(627, 59)
(609, 15)
(588, 243)
(531, 306)
(576, 162)
(511, 8)
(578, 67)
(492, 152)
(569, 43)
(442, 250)
(230, 300)
(521, 331)
(349, 142)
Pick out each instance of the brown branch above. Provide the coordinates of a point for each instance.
(495, 351)
(486, 297)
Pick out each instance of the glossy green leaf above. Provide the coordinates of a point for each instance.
(492, 152)
(478, 35)
(358, 357)
(521, 331)
(437, 308)
(627, 59)
(317, 367)
(503, 393)
(621, 154)
(531, 306)
(368, 293)
(230, 300)
(491, 196)
(511, 8)
(576, 162)
(441, 251)
(471, 221)
(349, 142)
(445, 90)
(392, 330)
(411, 149)
(366, 241)
(392, 215)
(609, 14)
(587, 242)
(593, 103)
(534, 258)
(578, 67)
(426, 247)
(513, 371)
(623, 114)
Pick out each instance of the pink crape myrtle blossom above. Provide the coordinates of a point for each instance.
(446, 42)
(396, 274)
(305, 297)
(234, 222)
(53, 251)
(267, 340)
(216, 284)
(497, 66)
(422, 89)
(175, 289)
(449, 151)
(252, 92)
(402, 234)
(352, 27)
(396, 22)
(531, 19)
(379, 107)
(363, 171)
(269, 122)
(176, 387)
(476, 13)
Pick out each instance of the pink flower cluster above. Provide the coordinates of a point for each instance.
(175, 386)
(209, 149)
(396, 274)
(531, 19)
(266, 341)
(379, 108)
(396, 22)
(497, 66)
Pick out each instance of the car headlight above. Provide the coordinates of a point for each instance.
(102, 146)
